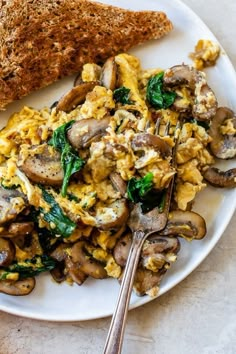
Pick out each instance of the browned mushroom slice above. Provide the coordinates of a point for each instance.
(145, 280)
(112, 216)
(109, 74)
(75, 96)
(159, 252)
(83, 132)
(8, 211)
(18, 229)
(158, 244)
(17, 288)
(205, 104)
(7, 252)
(44, 168)
(180, 75)
(222, 146)
(61, 252)
(185, 223)
(58, 272)
(74, 271)
(144, 140)
(87, 264)
(118, 183)
(121, 250)
(220, 178)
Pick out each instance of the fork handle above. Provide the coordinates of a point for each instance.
(116, 332)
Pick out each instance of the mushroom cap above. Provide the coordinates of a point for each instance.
(85, 131)
(222, 146)
(17, 288)
(222, 179)
(185, 223)
(75, 96)
(44, 168)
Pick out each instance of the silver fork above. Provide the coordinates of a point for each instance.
(142, 226)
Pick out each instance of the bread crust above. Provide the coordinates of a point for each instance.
(42, 41)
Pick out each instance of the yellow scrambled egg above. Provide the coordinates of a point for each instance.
(206, 53)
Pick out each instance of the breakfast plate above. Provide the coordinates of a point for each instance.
(96, 299)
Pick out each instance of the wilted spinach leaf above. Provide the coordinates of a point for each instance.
(30, 267)
(122, 95)
(70, 160)
(64, 226)
(156, 95)
(138, 188)
(141, 191)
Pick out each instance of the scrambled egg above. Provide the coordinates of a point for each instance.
(206, 53)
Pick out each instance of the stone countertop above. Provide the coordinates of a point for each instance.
(197, 316)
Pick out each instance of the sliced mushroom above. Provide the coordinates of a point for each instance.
(75, 96)
(222, 146)
(109, 74)
(58, 272)
(112, 216)
(146, 280)
(85, 131)
(87, 264)
(61, 252)
(18, 229)
(7, 252)
(8, 211)
(144, 140)
(157, 251)
(220, 178)
(185, 223)
(121, 249)
(74, 271)
(205, 104)
(44, 168)
(17, 288)
(179, 75)
(159, 244)
(118, 183)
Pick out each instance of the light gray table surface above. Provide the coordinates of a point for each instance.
(197, 316)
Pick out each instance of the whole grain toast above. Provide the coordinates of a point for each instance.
(42, 41)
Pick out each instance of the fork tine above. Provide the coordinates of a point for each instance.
(167, 128)
(157, 126)
(176, 141)
(148, 124)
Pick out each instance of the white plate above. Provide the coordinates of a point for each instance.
(95, 299)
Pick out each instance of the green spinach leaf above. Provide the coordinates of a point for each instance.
(138, 188)
(63, 225)
(142, 191)
(70, 160)
(156, 95)
(30, 267)
(122, 95)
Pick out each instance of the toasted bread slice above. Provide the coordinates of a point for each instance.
(42, 41)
